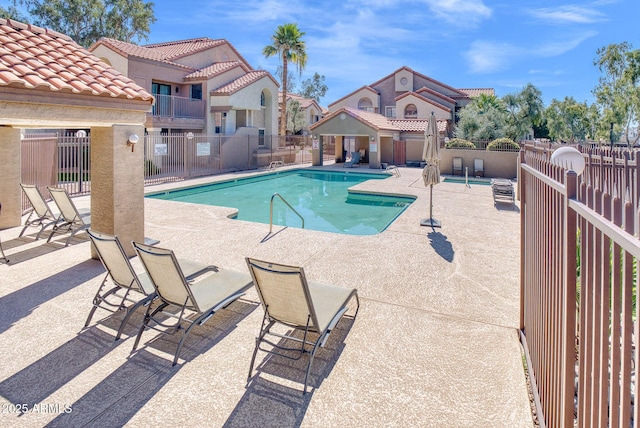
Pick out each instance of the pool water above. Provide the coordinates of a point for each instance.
(471, 181)
(321, 198)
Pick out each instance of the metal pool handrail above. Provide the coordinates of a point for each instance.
(287, 203)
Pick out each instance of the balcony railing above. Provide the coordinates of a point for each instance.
(178, 107)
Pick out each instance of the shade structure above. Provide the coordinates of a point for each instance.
(431, 172)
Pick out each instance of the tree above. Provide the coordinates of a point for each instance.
(524, 110)
(295, 117)
(288, 44)
(618, 90)
(482, 119)
(85, 21)
(12, 13)
(314, 88)
(568, 120)
(292, 85)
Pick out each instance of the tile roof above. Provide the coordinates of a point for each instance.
(417, 125)
(216, 68)
(474, 92)
(304, 102)
(32, 57)
(167, 52)
(374, 120)
(242, 82)
(179, 48)
(435, 93)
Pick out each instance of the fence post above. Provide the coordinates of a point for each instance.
(569, 298)
(523, 246)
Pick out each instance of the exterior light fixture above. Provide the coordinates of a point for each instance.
(189, 135)
(81, 133)
(132, 141)
(568, 158)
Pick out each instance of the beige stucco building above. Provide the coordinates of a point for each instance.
(200, 85)
(387, 118)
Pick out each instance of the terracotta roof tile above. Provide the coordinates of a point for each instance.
(213, 69)
(374, 120)
(417, 125)
(241, 82)
(474, 92)
(425, 99)
(32, 57)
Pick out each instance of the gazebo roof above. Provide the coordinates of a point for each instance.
(41, 59)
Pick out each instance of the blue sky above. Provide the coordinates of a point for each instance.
(463, 43)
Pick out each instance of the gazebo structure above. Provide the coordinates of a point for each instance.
(49, 81)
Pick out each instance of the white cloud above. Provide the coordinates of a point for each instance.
(569, 14)
(460, 12)
(488, 57)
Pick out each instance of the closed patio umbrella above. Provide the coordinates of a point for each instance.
(431, 172)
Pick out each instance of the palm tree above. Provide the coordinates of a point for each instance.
(288, 43)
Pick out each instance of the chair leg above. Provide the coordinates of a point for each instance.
(145, 321)
(306, 376)
(131, 310)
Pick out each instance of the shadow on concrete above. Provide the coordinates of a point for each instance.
(267, 403)
(21, 303)
(441, 244)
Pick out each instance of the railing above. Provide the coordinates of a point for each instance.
(56, 160)
(287, 203)
(179, 107)
(579, 252)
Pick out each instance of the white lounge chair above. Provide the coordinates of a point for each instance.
(70, 219)
(503, 190)
(287, 298)
(42, 215)
(127, 286)
(478, 168)
(202, 298)
(457, 166)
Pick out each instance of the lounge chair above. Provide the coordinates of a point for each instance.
(1, 250)
(42, 215)
(127, 285)
(287, 298)
(478, 168)
(70, 219)
(457, 166)
(503, 190)
(355, 160)
(204, 297)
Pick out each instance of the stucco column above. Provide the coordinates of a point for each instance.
(316, 151)
(117, 184)
(10, 176)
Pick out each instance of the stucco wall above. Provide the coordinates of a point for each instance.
(496, 164)
(352, 100)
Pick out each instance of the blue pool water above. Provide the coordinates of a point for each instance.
(321, 197)
(471, 181)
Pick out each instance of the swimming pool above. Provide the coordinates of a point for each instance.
(321, 198)
(471, 181)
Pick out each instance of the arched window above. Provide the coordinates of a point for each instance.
(365, 104)
(410, 111)
(263, 100)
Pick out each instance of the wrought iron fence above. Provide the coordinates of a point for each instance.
(60, 160)
(579, 252)
(52, 159)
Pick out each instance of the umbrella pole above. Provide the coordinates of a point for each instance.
(432, 222)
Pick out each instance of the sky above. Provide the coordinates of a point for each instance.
(463, 43)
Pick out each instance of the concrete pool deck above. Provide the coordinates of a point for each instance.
(435, 342)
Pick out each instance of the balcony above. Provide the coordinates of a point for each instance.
(171, 111)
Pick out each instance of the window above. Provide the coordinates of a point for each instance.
(365, 104)
(263, 100)
(261, 137)
(390, 112)
(410, 111)
(196, 91)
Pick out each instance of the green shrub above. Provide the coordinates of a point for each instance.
(504, 144)
(459, 143)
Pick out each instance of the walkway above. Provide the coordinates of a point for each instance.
(435, 343)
